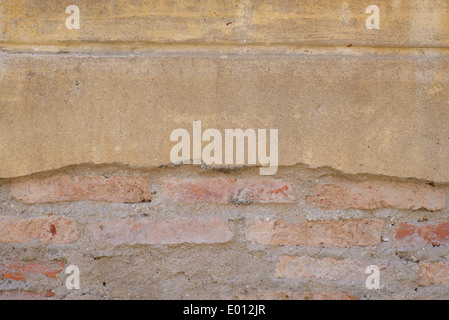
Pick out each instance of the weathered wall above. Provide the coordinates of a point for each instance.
(85, 172)
(412, 23)
(207, 234)
(349, 113)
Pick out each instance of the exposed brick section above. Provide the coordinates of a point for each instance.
(16, 270)
(154, 231)
(434, 273)
(77, 188)
(408, 234)
(223, 190)
(46, 229)
(348, 233)
(25, 295)
(288, 295)
(379, 194)
(308, 268)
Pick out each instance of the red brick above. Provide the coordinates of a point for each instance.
(309, 268)
(77, 188)
(198, 190)
(25, 295)
(228, 190)
(408, 234)
(343, 234)
(155, 231)
(287, 295)
(247, 191)
(436, 273)
(379, 194)
(47, 229)
(16, 270)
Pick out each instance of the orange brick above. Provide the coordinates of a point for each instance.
(155, 231)
(16, 270)
(436, 273)
(408, 234)
(77, 188)
(46, 229)
(379, 194)
(228, 190)
(348, 233)
(25, 295)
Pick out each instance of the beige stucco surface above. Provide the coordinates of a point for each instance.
(359, 114)
(415, 23)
